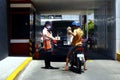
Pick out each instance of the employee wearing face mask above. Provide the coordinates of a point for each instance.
(47, 45)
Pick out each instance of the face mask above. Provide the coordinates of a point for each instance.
(48, 27)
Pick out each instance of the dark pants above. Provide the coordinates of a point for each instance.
(47, 59)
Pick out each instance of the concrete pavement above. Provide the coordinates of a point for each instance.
(97, 70)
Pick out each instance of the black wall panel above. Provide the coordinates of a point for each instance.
(3, 30)
(20, 26)
(105, 29)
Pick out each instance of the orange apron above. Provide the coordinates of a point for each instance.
(47, 42)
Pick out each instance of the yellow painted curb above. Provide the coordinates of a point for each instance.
(118, 56)
(19, 69)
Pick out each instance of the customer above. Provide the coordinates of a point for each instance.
(77, 40)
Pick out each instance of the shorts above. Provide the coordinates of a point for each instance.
(71, 50)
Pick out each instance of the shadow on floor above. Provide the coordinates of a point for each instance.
(91, 54)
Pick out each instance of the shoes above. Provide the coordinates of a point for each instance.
(50, 67)
(53, 67)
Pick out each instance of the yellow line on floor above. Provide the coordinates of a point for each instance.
(90, 60)
(19, 69)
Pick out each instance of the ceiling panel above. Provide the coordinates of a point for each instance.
(45, 6)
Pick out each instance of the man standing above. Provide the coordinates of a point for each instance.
(47, 45)
(77, 41)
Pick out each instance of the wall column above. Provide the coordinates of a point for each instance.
(3, 29)
(118, 29)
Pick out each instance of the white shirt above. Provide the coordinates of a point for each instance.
(45, 33)
(69, 39)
